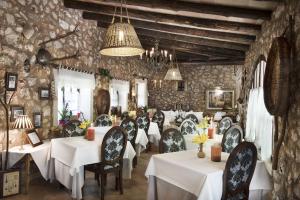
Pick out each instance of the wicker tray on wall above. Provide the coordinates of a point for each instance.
(276, 80)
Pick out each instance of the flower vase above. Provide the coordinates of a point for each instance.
(201, 153)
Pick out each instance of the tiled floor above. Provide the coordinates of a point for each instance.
(134, 189)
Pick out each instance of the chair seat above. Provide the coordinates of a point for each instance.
(95, 167)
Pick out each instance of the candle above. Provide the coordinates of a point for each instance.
(90, 135)
(170, 57)
(210, 133)
(154, 83)
(160, 81)
(216, 150)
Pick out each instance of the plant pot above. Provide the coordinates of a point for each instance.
(201, 153)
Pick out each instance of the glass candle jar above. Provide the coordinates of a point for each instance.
(216, 150)
(90, 135)
(210, 133)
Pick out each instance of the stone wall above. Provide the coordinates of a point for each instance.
(287, 177)
(48, 19)
(198, 80)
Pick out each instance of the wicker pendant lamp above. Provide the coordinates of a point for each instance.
(173, 73)
(121, 38)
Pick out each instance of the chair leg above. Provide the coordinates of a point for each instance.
(102, 186)
(97, 178)
(105, 179)
(121, 181)
(117, 181)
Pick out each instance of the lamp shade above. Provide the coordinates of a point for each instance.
(121, 40)
(22, 122)
(173, 74)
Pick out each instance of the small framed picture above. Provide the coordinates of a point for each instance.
(10, 183)
(218, 99)
(37, 119)
(11, 81)
(33, 138)
(44, 93)
(181, 86)
(15, 111)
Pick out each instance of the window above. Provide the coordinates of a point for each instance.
(259, 124)
(142, 92)
(74, 89)
(119, 91)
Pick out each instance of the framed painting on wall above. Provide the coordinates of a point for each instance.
(10, 183)
(219, 99)
(44, 93)
(37, 119)
(15, 111)
(11, 81)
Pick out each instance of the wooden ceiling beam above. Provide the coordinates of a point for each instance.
(189, 32)
(207, 63)
(225, 52)
(200, 23)
(177, 7)
(176, 33)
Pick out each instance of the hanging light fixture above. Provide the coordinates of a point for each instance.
(173, 73)
(121, 38)
(156, 58)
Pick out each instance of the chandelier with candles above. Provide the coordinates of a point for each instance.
(157, 58)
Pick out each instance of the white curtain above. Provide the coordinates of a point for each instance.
(119, 91)
(142, 92)
(259, 124)
(78, 92)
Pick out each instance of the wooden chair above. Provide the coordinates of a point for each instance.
(231, 138)
(171, 141)
(188, 127)
(124, 115)
(159, 118)
(103, 120)
(71, 129)
(238, 172)
(224, 125)
(131, 128)
(112, 152)
(192, 117)
(143, 122)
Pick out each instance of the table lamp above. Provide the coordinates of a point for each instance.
(22, 122)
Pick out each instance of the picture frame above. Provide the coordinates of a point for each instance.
(37, 119)
(181, 86)
(11, 81)
(16, 110)
(10, 183)
(33, 137)
(219, 99)
(44, 93)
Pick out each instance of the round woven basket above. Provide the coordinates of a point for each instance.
(276, 79)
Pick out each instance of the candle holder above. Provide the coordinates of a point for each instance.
(216, 150)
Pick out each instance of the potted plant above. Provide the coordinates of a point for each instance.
(65, 115)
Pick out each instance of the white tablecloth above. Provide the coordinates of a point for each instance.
(69, 155)
(202, 177)
(38, 154)
(190, 145)
(153, 133)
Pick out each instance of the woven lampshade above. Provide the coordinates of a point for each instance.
(22, 122)
(121, 40)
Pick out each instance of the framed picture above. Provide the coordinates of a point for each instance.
(44, 93)
(11, 81)
(10, 183)
(219, 99)
(181, 86)
(37, 119)
(15, 111)
(33, 138)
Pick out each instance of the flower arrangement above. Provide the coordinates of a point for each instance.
(85, 124)
(200, 138)
(65, 115)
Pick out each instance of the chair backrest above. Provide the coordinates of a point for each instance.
(231, 138)
(113, 147)
(159, 118)
(103, 120)
(124, 115)
(143, 122)
(171, 141)
(238, 171)
(224, 124)
(130, 126)
(188, 127)
(71, 129)
(192, 117)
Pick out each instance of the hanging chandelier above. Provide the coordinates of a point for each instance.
(121, 38)
(155, 58)
(173, 73)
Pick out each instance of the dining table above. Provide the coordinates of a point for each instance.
(68, 156)
(184, 176)
(154, 133)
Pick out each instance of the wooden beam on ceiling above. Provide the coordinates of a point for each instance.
(215, 50)
(207, 63)
(207, 24)
(180, 8)
(176, 33)
(203, 34)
